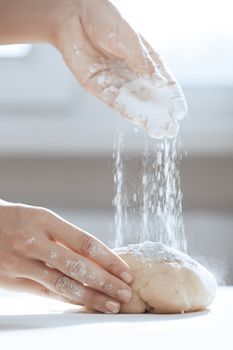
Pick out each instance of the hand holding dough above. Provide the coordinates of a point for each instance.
(166, 280)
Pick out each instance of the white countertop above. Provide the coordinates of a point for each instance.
(28, 322)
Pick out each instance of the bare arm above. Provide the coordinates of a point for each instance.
(27, 21)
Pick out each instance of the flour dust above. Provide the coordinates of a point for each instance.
(148, 197)
(119, 201)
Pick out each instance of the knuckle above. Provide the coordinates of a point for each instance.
(46, 212)
(112, 266)
(41, 216)
(92, 300)
(86, 245)
(25, 213)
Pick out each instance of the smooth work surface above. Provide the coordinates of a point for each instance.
(28, 322)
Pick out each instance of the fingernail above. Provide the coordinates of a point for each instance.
(126, 277)
(125, 295)
(112, 306)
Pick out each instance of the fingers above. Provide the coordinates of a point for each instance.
(28, 286)
(25, 285)
(178, 105)
(114, 37)
(157, 131)
(50, 282)
(82, 270)
(127, 45)
(88, 246)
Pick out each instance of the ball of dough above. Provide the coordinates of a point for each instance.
(166, 280)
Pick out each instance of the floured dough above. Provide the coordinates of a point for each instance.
(166, 280)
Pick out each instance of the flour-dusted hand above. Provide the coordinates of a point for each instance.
(42, 253)
(106, 55)
(117, 65)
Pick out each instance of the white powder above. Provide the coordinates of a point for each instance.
(53, 254)
(155, 251)
(118, 200)
(148, 202)
(106, 286)
(111, 35)
(76, 267)
(76, 50)
(91, 276)
(98, 250)
(30, 241)
(101, 80)
(44, 275)
(66, 285)
(163, 196)
(153, 105)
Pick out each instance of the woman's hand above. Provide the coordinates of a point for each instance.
(100, 47)
(105, 53)
(42, 253)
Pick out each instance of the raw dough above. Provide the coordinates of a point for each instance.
(166, 280)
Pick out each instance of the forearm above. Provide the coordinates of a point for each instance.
(27, 21)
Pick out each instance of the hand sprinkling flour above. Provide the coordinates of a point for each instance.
(117, 65)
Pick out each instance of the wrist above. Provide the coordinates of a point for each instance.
(51, 18)
(28, 21)
(64, 14)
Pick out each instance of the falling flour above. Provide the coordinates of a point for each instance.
(118, 201)
(164, 196)
(153, 210)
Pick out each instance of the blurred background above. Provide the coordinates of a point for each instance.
(56, 141)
